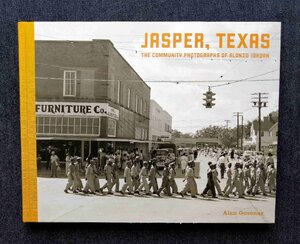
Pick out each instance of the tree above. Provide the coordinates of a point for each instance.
(227, 138)
(176, 134)
(247, 129)
(209, 132)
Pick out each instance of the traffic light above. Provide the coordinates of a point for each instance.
(209, 99)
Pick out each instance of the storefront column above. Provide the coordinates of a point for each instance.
(82, 150)
(90, 147)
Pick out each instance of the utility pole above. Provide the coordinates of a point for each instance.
(258, 103)
(227, 122)
(237, 114)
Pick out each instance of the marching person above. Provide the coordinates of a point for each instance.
(190, 181)
(71, 177)
(54, 163)
(108, 176)
(173, 184)
(135, 175)
(271, 179)
(247, 178)
(152, 177)
(252, 177)
(229, 178)
(143, 178)
(165, 185)
(210, 182)
(90, 178)
(115, 174)
(77, 182)
(68, 162)
(241, 178)
(216, 180)
(96, 179)
(235, 181)
(259, 180)
(127, 179)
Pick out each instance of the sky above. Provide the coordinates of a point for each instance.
(184, 101)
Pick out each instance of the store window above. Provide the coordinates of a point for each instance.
(141, 106)
(128, 98)
(69, 83)
(111, 128)
(136, 103)
(50, 125)
(118, 91)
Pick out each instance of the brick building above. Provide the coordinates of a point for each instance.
(88, 97)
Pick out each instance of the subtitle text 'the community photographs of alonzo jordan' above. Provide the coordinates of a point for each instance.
(171, 122)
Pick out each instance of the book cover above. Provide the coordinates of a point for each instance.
(149, 122)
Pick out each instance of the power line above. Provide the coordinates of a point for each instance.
(246, 79)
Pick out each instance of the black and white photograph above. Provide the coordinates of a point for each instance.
(157, 122)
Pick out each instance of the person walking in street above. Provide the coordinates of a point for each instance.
(97, 174)
(165, 185)
(127, 179)
(216, 180)
(90, 178)
(135, 175)
(247, 178)
(143, 178)
(71, 177)
(259, 184)
(152, 177)
(173, 184)
(54, 161)
(229, 178)
(241, 178)
(77, 182)
(271, 179)
(115, 174)
(190, 182)
(68, 162)
(210, 185)
(235, 182)
(108, 177)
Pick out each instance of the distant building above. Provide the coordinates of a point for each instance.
(269, 131)
(88, 97)
(160, 123)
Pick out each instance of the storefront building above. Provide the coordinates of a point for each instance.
(160, 124)
(88, 97)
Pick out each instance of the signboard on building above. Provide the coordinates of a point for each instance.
(76, 109)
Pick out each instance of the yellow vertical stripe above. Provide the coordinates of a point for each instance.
(28, 120)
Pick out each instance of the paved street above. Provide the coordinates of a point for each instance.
(56, 206)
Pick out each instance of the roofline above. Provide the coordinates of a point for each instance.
(104, 40)
(161, 107)
(126, 62)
